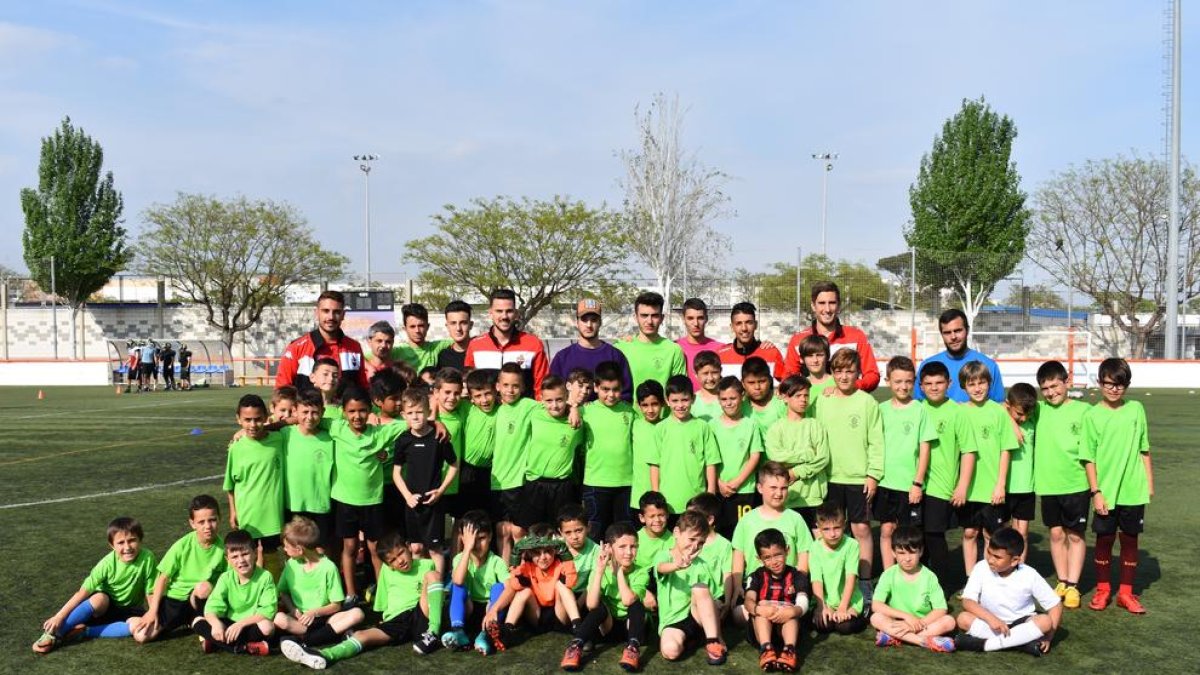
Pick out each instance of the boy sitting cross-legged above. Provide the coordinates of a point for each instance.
(310, 589)
(237, 616)
(909, 605)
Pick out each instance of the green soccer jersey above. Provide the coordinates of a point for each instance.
(1057, 465)
(655, 360)
(768, 415)
(855, 437)
(481, 578)
(904, 430)
(421, 356)
(454, 421)
(585, 564)
(718, 551)
(803, 447)
(479, 436)
(188, 563)
(638, 578)
(644, 442)
(682, 452)
(649, 547)
(125, 583)
(736, 441)
(706, 410)
(254, 474)
(608, 444)
(917, 596)
(791, 524)
(831, 568)
(397, 592)
(993, 435)
(675, 589)
(1020, 467)
(234, 600)
(333, 411)
(816, 392)
(1115, 440)
(362, 463)
(512, 437)
(955, 439)
(307, 470)
(551, 449)
(313, 588)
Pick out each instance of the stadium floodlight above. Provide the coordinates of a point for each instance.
(365, 160)
(827, 158)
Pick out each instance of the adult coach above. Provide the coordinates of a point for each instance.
(589, 350)
(503, 343)
(952, 324)
(826, 301)
(327, 340)
(458, 328)
(743, 321)
(650, 355)
(694, 341)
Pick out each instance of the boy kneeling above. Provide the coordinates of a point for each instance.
(909, 605)
(776, 598)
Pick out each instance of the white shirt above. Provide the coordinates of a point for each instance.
(1010, 597)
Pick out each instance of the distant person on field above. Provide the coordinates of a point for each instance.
(166, 360)
(185, 367)
(952, 324)
(826, 301)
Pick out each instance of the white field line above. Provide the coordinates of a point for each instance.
(141, 488)
(101, 410)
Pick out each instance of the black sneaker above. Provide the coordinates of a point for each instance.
(427, 644)
(1033, 649)
(968, 643)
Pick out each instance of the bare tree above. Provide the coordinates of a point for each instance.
(1102, 230)
(671, 199)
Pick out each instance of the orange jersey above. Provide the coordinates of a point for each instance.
(527, 575)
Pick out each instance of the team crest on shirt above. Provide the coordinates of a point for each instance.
(626, 418)
(908, 429)
(789, 590)
(658, 363)
(854, 421)
(986, 432)
(512, 427)
(1074, 428)
(562, 441)
(381, 456)
(692, 447)
(941, 426)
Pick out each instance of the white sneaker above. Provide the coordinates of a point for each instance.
(295, 652)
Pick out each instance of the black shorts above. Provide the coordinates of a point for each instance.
(505, 504)
(474, 486)
(185, 373)
(692, 630)
(116, 613)
(1130, 520)
(148, 369)
(270, 543)
(603, 506)
(1069, 512)
(980, 516)
(852, 500)
(548, 621)
(174, 613)
(808, 513)
(938, 514)
(543, 498)
(426, 525)
(732, 510)
(1021, 505)
(405, 626)
(891, 506)
(349, 520)
(395, 510)
(323, 521)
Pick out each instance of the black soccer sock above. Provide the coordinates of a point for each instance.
(325, 635)
(712, 641)
(637, 622)
(204, 630)
(249, 634)
(587, 628)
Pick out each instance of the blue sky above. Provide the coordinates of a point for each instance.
(462, 99)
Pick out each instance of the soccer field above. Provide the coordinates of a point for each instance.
(82, 456)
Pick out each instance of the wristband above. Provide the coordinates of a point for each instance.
(917, 483)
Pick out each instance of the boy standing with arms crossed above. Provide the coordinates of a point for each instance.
(907, 434)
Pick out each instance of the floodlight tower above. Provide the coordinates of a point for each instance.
(827, 158)
(364, 165)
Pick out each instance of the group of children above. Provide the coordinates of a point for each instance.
(754, 501)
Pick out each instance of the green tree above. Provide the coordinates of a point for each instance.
(1040, 296)
(74, 217)
(540, 249)
(861, 286)
(969, 217)
(233, 257)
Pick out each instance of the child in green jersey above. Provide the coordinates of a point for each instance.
(764, 407)
(1020, 403)
(112, 597)
(310, 590)
(608, 452)
(1116, 453)
(573, 530)
(800, 444)
(776, 598)
(283, 403)
(554, 434)
(684, 459)
(1059, 478)
(909, 605)
(476, 580)
(686, 607)
(185, 574)
(833, 563)
(508, 455)
(852, 421)
(326, 378)
(995, 439)
(479, 438)
(409, 600)
(907, 433)
(254, 482)
(740, 445)
(654, 537)
(308, 467)
(707, 366)
(718, 551)
(387, 386)
(814, 364)
(450, 410)
(651, 401)
(237, 616)
(617, 594)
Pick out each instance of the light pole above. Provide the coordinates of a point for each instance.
(827, 159)
(365, 165)
(54, 307)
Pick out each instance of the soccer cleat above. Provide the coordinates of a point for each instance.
(1072, 600)
(495, 633)
(572, 657)
(767, 659)
(293, 651)
(1100, 599)
(882, 639)
(1061, 589)
(1130, 603)
(207, 646)
(943, 645)
(715, 653)
(966, 642)
(1033, 649)
(483, 645)
(786, 661)
(427, 644)
(258, 648)
(46, 643)
(631, 658)
(350, 601)
(456, 639)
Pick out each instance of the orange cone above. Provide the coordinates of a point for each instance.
(41, 395)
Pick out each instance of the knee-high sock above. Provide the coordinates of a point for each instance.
(204, 630)
(1017, 636)
(1103, 559)
(116, 629)
(82, 613)
(589, 626)
(436, 596)
(458, 605)
(1129, 561)
(342, 650)
(496, 591)
(637, 622)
